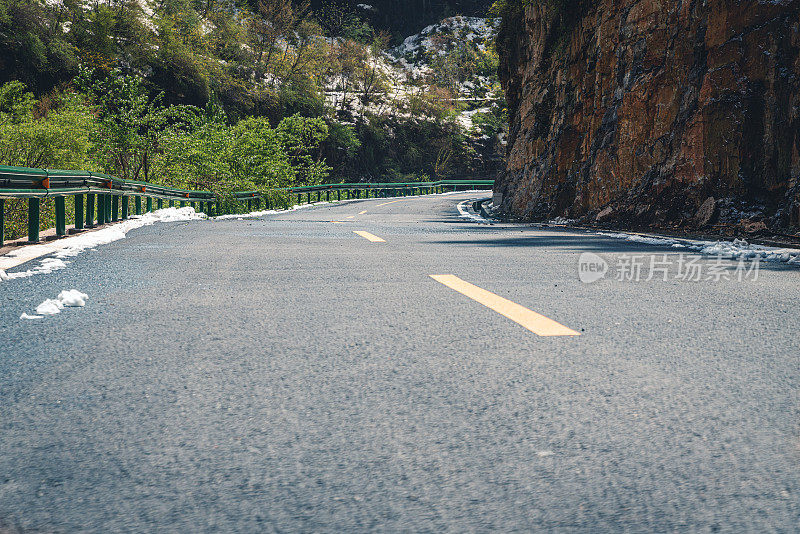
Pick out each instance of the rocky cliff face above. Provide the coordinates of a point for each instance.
(667, 113)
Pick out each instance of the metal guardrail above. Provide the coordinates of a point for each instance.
(112, 195)
(364, 190)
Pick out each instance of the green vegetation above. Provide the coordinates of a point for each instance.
(227, 96)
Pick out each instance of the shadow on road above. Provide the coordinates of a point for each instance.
(597, 244)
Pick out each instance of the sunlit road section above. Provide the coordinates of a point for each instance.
(388, 365)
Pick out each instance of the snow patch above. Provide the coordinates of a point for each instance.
(69, 298)
(72, 246)
(49, 307)
(738, 249)
(72, 298)
(241, 216)
(462, 210)
(640, 239)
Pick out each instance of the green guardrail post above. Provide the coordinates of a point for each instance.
(319, 196)
(338, 194)
(101, 209)
(61, 216)
(125, 207)
(299, 198)
(33, 220)
(98, 211)
(192, 205)
(78, 212)
(107, 205)
(149, 204)
(160, 203)
(137, 205)
(115, 208)
(90, 210)
(2, 222)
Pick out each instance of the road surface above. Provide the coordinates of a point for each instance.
(286, 374)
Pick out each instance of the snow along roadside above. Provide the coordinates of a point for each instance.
(273, 212)
(240, 216)
(57, 251)
(736, 249)
(477, 217)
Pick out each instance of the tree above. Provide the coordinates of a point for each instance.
(269, 22)
(258, 155)
(130, 123)
(302, 138)
(60, 138)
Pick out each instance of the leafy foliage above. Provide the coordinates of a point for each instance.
(59, 138)
(228, 95)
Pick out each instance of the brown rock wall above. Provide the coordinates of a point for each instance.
(650, 108)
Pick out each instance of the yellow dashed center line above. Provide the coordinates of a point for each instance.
(536, 323)
(371, 237)
(392, 202)
(350, 216)
(362, 212)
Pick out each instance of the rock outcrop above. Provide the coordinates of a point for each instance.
(653, 113)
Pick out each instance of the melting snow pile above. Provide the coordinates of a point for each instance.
(736, 249)
(72, 246)
(71, 298)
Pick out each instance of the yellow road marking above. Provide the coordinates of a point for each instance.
(362, 212)
(337, 222)
(350, 216)
(392, 202)
(536, 323)
(371, 237)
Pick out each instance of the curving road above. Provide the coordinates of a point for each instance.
(285, 374)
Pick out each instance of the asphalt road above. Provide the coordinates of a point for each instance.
(284, 374)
